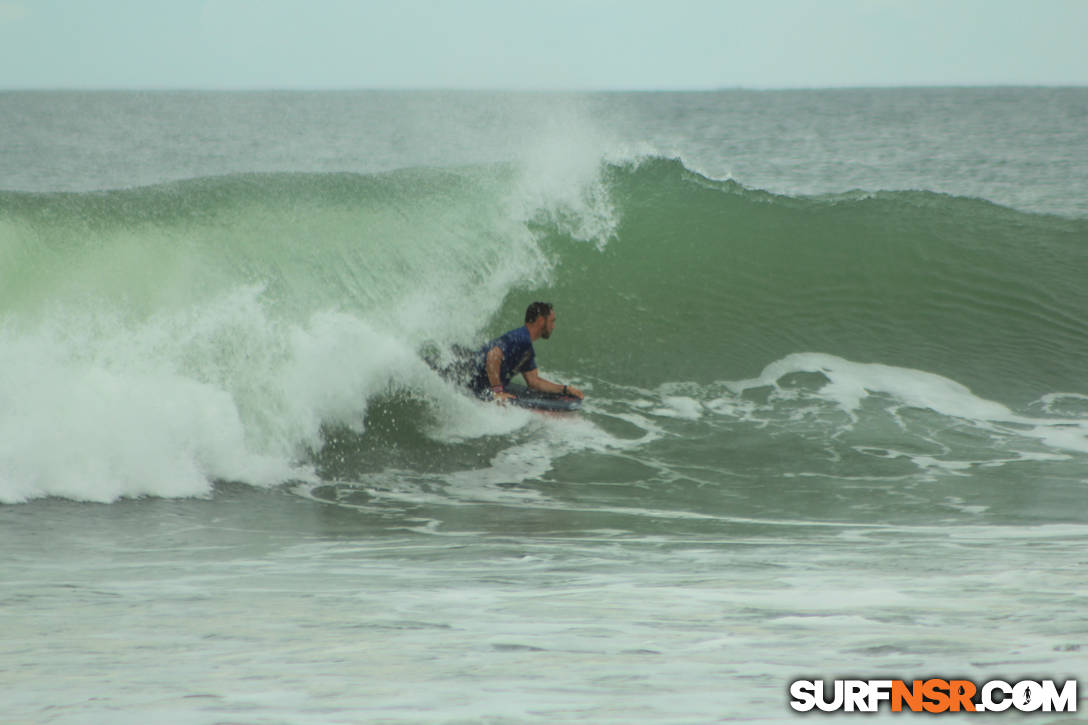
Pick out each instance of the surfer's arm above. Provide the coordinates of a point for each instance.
(534, 381)
(493, 368)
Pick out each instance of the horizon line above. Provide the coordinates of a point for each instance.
(540, 90)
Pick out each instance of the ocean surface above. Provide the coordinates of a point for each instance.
(833, 345)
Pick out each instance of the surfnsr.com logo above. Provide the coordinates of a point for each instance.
(933, 695)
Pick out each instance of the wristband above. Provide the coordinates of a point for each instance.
(496, 388)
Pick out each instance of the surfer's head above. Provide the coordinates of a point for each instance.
(540, 315)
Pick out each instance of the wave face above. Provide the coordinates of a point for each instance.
(708, 280)
(265, 327)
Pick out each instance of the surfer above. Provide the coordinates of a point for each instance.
(498, 361)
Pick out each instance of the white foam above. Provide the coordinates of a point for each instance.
(849, 384)
(86, 428)
(552, 437)
(97, 407)
(680, 406)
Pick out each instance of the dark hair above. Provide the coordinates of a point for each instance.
(537, 309)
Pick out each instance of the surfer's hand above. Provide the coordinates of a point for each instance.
(571, 390)
(503, 397)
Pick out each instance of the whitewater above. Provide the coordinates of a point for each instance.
(836, 420)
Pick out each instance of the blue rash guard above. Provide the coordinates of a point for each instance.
(518, 356)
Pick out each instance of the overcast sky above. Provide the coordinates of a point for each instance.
(542, 44)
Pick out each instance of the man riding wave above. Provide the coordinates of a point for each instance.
(488, 370)
(498, 361)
